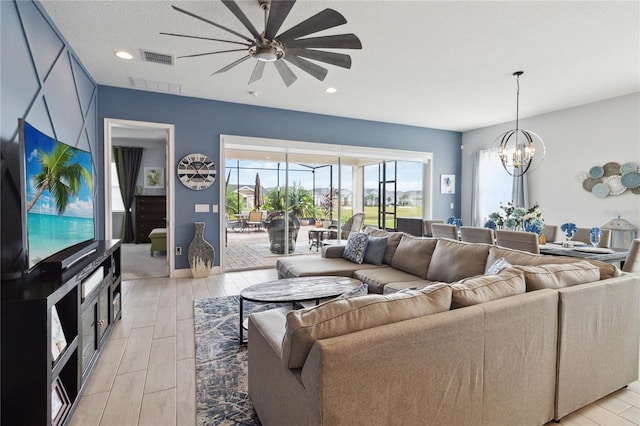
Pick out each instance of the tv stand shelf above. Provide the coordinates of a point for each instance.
(54, 325)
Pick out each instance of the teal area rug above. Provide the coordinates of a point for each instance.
(221, 363)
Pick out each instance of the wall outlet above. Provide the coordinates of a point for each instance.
(451, 206)
(178, 251)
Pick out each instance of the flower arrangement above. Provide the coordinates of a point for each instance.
(454, 221)
(517, 218)
(569, 229)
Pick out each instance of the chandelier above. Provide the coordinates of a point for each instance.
(520, 150)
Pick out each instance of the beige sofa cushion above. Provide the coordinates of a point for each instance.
(339, 317)
(378, 278)
(305, 266)
(484, 288)
(413, 255)
(558, 275)
(454, 260)
(393, 239)
(517, 257)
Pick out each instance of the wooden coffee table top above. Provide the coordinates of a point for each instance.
(299, 289)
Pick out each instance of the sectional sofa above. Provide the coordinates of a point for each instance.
(453, 333)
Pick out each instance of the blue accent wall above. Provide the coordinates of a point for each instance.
(43, 82)
(199, 124)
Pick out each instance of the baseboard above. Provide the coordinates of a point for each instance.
(186, 273)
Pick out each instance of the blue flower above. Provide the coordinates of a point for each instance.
(532, 227)
(491, 224)
(569, 229)
(454, 221)
(595, 231)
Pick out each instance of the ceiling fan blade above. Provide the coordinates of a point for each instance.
(278, 11)
(285, 72)
(338, 59)
(206, 38)
(211, 53)
(231, 65)
(328, 18)
(235, 9)
(314, 69)
(339, 41)
(193, 15)
(257, 72)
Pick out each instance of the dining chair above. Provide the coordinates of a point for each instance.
(442, 230)
(632, 264)
(583, 235)
(549, 232)
(428, 232)
(525, 241)
(473, 234)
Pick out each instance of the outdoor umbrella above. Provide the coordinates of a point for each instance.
(258, 200)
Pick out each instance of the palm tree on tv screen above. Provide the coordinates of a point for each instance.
(62, 178)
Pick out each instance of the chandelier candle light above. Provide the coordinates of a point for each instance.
(517, 149)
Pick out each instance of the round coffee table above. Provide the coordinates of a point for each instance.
(295, 290)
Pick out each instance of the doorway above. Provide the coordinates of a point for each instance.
(156, 141)
(332, 177)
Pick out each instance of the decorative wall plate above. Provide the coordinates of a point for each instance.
(615, 186)
(588, 183)
(596, 172)
(628, 168)
(611, 169)
(600, 190)
(631, 180)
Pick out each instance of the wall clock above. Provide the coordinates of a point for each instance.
(196, 171)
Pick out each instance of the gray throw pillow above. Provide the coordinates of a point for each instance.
(374, 253)
(356, 246)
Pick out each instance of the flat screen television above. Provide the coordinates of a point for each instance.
(57, 200)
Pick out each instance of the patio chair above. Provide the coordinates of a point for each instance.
(442, 230)
(354, 224)
(473, 234)
(230, 224)
(518, 240)
(255, 220)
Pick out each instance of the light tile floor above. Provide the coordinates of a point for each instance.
(146, 375)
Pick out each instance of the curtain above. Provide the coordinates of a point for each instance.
(127, 161)
(491, 186)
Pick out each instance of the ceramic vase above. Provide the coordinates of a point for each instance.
(201, 253)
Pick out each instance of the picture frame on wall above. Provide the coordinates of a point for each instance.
(154, 177)
(59, 403)
(447, 184)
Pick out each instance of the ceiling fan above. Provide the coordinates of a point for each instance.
(290, 46)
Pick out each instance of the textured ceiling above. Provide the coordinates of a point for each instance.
(445, 65)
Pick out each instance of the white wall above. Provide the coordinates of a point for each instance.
(576, 140)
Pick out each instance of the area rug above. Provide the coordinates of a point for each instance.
(221, 363)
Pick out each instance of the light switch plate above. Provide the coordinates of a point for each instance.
(202, 208)
(214, 208)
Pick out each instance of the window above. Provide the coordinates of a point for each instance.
(116, 198)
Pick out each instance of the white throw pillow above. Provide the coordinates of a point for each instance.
(497, 266)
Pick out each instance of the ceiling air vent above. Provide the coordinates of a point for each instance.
(158, 58)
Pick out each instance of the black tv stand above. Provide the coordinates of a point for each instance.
(54, 324)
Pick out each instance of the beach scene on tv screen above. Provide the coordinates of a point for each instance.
(59, 197)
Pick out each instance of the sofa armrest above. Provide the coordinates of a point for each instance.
(598, 341)
(333, 251)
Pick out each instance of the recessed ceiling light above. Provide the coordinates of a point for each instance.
(331, 90)
(124, 55)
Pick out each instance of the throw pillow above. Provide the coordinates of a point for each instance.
(361, 290)
(374, 253)
(356, 246)
(393, 239)
(454, 260)
(497, 266)
(413, 255)
(559, 275)
(485, 288)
